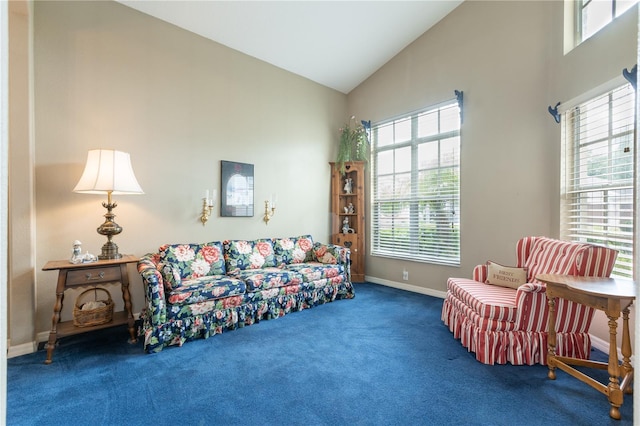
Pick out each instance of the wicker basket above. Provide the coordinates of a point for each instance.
(91, 317)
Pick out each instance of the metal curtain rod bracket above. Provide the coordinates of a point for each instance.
(459, 97)
(554, 112)
(631, 76)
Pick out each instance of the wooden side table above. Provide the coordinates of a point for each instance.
(89, 274)
(611, 296)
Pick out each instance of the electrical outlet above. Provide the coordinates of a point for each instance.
(405, 275)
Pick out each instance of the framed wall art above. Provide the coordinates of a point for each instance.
(236, 192)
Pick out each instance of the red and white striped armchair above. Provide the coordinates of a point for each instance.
(501, 324)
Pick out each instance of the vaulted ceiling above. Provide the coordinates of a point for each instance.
(335, 43)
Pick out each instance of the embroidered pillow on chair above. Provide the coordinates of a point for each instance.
(505, 276)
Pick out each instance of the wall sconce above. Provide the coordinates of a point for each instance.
(207, 206)
(269, 209)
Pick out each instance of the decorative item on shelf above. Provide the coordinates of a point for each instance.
(269, 209)
(108, 171)
(348, 186)
(88, 258)
(76, 256)
(207, 206)
(351, 209)
(354, 142)
(345, 227)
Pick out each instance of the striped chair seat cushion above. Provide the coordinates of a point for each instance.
(481, 323)
(489, 301)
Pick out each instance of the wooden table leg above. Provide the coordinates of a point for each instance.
(614, 392)
(627, 368)
(53, 334)
(55, 319)
(551, 338)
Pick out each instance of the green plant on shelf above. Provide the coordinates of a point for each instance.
(354, 143)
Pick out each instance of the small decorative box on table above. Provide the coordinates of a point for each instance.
(89, 274)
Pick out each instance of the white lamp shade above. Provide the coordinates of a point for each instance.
(108, 171)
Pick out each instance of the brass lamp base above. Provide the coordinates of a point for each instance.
(109, 251)
(109, 228)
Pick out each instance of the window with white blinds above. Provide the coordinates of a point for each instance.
(598, 174)
(416, 186)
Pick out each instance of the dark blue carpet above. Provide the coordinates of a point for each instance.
(383, 358)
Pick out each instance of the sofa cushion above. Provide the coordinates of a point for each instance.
(240, 255)
(293, 250)
(261, 279)
(329, 253)
(181, 262)
(549, 256)
(312, 271)
(201, 289)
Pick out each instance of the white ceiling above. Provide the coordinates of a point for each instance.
(335, 43)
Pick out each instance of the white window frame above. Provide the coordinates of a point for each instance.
(580, 5)
(416, 233)
(605, 223)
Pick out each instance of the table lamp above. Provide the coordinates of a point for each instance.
(108, 171)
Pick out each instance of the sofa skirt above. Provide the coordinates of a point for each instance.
(517, 347)
(178, 331)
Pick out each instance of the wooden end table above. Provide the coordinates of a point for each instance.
(89, 274)
(612, 296)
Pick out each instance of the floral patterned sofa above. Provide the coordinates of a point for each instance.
(199, 290)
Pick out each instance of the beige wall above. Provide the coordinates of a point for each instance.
(508, 59)
(106, 76)
(21, 233)
(498, 54)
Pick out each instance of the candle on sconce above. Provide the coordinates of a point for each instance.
(270, 207)
(207, 205)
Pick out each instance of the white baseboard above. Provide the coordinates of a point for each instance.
(407, 287)
(42, 337)
(596, 342)
(23, 349)
(603, 346)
